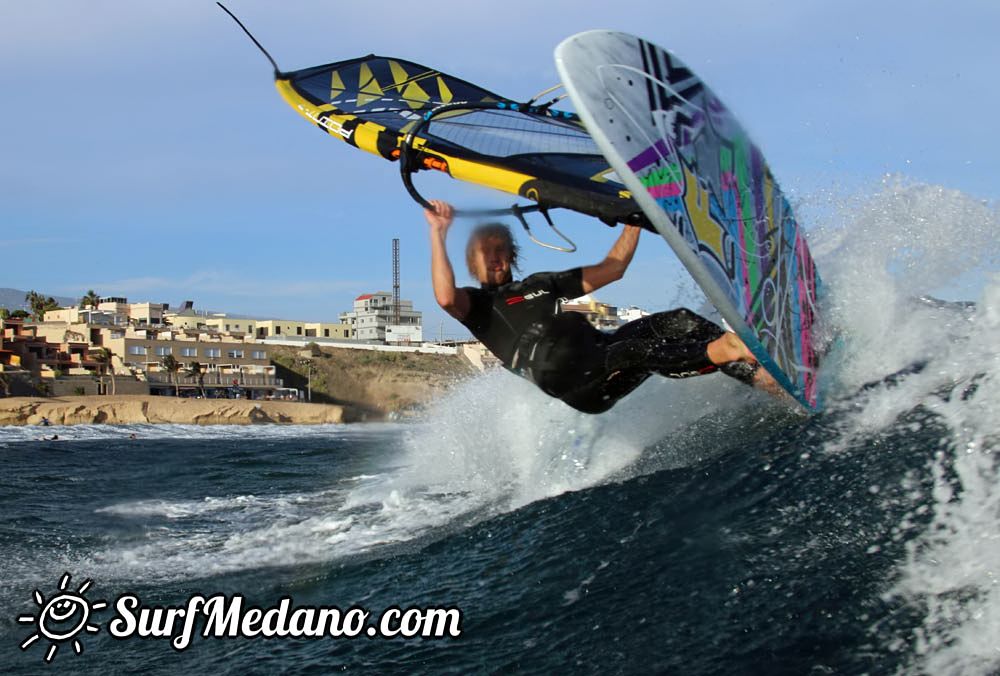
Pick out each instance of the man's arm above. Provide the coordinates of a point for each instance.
(452, 300)
(613, 267)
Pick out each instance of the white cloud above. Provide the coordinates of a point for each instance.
(214, 283)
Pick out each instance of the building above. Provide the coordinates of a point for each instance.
(267, 328)
(396, 334)
(208, 361)
(45, 353)
(283, 328)
(328, 330)
(182, 322)
(478, 355)
(230, 325)
(146, 314)
(630, 314)
(75, 315)
(184, 318)
(600, 315)
(372, 319)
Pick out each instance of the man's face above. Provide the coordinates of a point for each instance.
(492, 261)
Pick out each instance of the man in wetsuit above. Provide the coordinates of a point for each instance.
(521, 323)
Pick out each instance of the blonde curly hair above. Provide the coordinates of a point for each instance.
(488, 231)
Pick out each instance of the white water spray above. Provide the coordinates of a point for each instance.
(906, 242)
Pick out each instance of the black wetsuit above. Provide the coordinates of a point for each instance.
(521, 323)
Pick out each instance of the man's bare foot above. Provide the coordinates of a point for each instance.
(728, 347)
(763, 380)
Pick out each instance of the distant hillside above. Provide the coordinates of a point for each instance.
(372, 382)
(13, 299)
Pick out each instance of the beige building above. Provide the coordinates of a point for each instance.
(600, 315)
(45, 350)
(147, 314)
(328, 330)
(147, 354)
(229, 360)
(184, 318)
(223, 361)
(75, 315)
(268, 328)
(478, 355)
(183, 322)
(284, 328)
(230, 325)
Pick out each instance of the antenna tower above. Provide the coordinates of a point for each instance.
(395, 281)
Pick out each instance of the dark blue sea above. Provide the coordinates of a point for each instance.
(697, 528)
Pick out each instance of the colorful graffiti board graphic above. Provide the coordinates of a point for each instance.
(695, 160)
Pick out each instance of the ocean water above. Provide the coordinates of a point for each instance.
(697, 528)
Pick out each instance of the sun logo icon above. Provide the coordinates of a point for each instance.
(62, 617)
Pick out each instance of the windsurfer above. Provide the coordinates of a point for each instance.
(521, 323)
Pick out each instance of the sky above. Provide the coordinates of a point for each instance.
(144, 151)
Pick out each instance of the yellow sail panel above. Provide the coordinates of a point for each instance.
(368, 87)
(445, 93)
(336, 85)
(412, 93)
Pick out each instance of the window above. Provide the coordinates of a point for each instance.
(164, 351)
(189, 352)
(211, 352)
(235, 354)
(298, 330)
(277, 330)
(259, 354)
(136, 349)
(326, 333)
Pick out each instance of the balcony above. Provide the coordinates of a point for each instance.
(215, 379)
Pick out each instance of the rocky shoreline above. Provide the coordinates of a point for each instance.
(135, 409)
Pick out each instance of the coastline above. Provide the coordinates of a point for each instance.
(135, 409)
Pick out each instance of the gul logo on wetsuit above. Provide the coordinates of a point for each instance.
(513, 300)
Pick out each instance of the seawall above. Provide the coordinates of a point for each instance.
(132, 409)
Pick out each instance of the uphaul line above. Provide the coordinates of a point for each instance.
(230, 617)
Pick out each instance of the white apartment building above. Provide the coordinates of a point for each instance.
(372, 319)
(630, 314)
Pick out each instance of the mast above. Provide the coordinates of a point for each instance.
(395, 281)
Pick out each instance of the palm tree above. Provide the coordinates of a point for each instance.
(172, 366)
(195, 369)
(40, 304)
(104, 356)
(91, 300)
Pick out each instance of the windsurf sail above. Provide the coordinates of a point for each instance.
(398, 109)
(428, 120)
